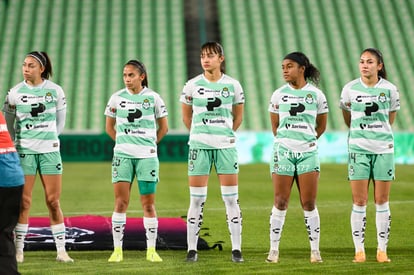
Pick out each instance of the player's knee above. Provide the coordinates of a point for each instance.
(26, 202)
(149, 210)
(53, 202)
(121, 205)
(281, 202)
(360, 201)
(381, 200)
(308, 205)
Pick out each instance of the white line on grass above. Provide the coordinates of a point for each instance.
(329, 204)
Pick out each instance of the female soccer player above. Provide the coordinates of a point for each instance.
(35, 111)
(11, 188)
(212, 109)
(369, 106)
(298, 113)
(136, 118)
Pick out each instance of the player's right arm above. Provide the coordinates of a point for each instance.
(274, 119)
(347, 117)
(274, 111)
(187, 112)
(110, 127)
(9, 111)
(345, 104)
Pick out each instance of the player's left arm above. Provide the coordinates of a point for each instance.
(162, 128)
(395, 105)
(321, 121)
(60, 120)
(391, 117)
(321, 116)
(238, 110)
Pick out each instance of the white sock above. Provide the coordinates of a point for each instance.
(358, 223)
(118, 228)
(230, 197)
(383, 223)
(277, 220)
(313, 226)
(58, 231)
(151, 230)
(198, 196)
(20, 232)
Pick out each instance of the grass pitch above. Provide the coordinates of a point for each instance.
(87, 189)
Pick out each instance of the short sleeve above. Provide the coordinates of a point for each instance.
(187, 94)
(238, 93)
(110, 109)
(160, 108)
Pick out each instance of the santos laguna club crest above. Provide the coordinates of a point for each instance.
(146, 104)
(382, 97)
(48, 97)
(309, 99)
(225, 92)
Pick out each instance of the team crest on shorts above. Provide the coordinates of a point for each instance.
(191, 166)
(351, 170)
(115, 173)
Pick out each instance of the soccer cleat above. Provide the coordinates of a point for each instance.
(19, 256)
(315, 257)
(64, 257)
(192, 256)
(273, 256)
(382, 257)
(236, 256)
(116, 256)
(359, 257)
(152, 255)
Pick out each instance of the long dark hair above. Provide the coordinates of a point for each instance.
(311, 72)
(44, 61)
(214, 47)
(382, 73)
(141, 68)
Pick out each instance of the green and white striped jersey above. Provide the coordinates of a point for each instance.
(35, 109)
(370, 131)
(136, 122)
(297, 110)
(212, 103)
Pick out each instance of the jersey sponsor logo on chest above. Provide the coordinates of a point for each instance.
(48, 97)
(209, 92)
(145, 104)
(296, 99)
(371, 98)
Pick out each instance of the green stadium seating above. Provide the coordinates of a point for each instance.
(256, 34)
(89, 42)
